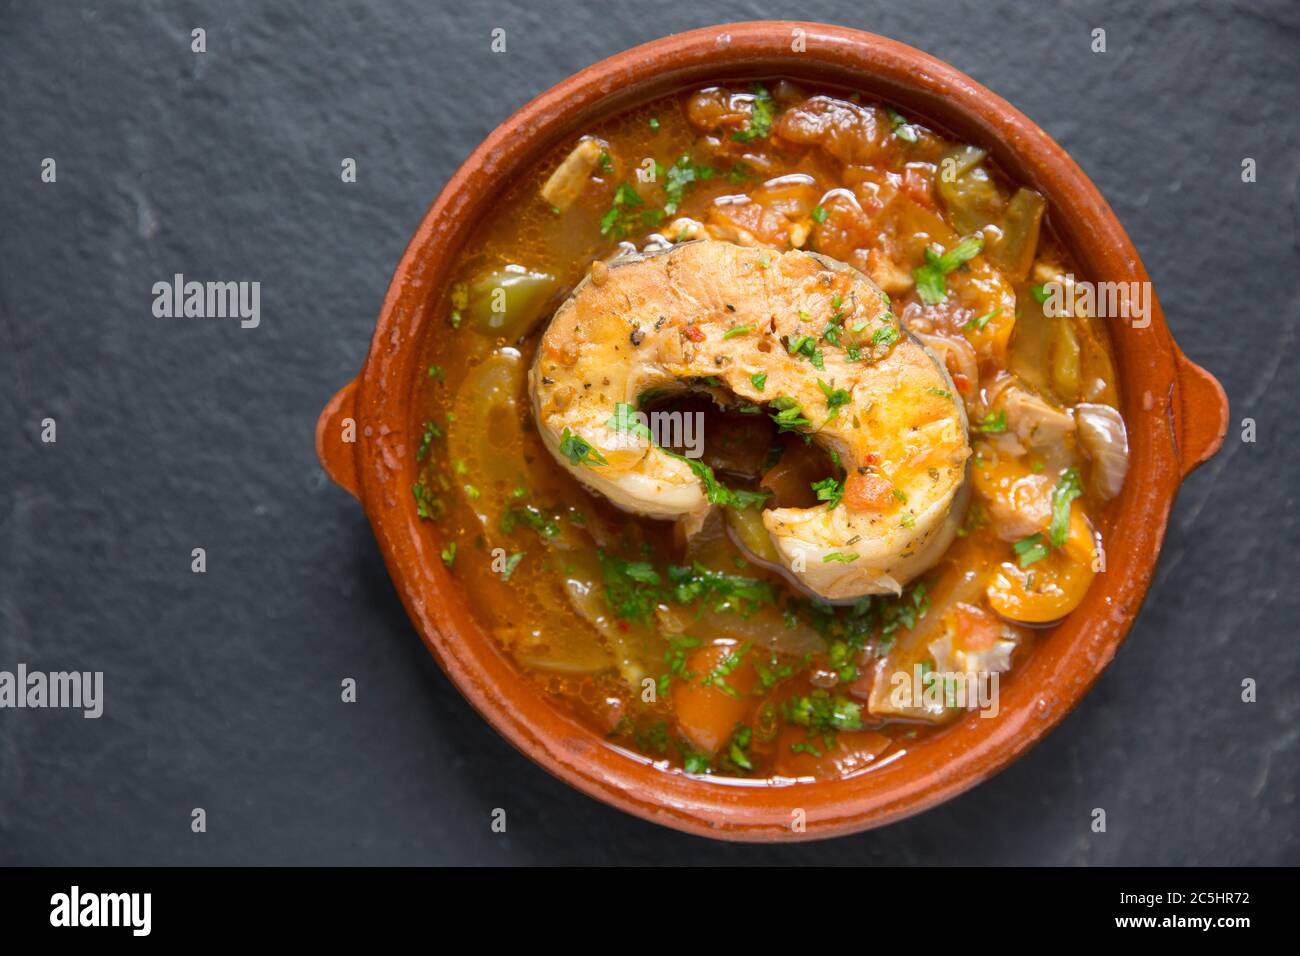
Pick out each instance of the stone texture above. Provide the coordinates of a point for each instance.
(223, 689)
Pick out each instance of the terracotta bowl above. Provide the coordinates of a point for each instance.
(1176, 414)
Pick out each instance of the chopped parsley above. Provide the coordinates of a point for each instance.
(717, 677)
(902, 129)
(718, 493)
(761, 115)
(680, 175)
(424, 504)
(739, 173)
(630, 587)
(431, 431)
(533, 517)
(633, 589)
(1030, 549)
(512, 562)
(579, 451)
(829, 490)
(624, 420)
(737, 331)
(740, 741)
(622, 216)
(835, 397)
(653, 738)
(650, 396)
(979, 321)
(992, 423)
(886, 336)
(1040, 293)
(689, 584)
(694, 762)
(822, 713)
(449, 555)
(930, 284)
(789, 416)
(819, 214)
(1066, 490)
(675, 658)
(758, 380)
(806, 345)
(833, 329)
(840, 556)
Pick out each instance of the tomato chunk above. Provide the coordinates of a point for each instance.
(869, 492)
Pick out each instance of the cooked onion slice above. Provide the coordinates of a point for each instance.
(1105, 440)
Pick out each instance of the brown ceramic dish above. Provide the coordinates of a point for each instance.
(1176, 413)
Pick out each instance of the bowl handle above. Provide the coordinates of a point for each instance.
(336, 436)
(1203, 417)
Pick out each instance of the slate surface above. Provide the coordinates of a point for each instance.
(222, 689)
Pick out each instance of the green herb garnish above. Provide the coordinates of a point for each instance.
(630, 586)
(1066, 490)
(806, 345)
(618, 221)
(512, 562)
(431, 431)
(835, 397)
(1030, 549)
(789, 416)
(761, 115)
(930, 284)
(992, 423)
(579, 451)
(830, 490)
(979, 321)
(624, 420)
(902, 129)
(840, 556)
(886, 336)
(680, 175)
(718, 493)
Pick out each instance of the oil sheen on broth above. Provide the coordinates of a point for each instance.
(680, 642)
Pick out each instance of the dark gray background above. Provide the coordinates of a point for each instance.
(223, 689)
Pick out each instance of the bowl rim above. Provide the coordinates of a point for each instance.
(1176, 414)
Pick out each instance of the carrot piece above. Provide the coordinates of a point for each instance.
(715, 698)
(852, 750)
